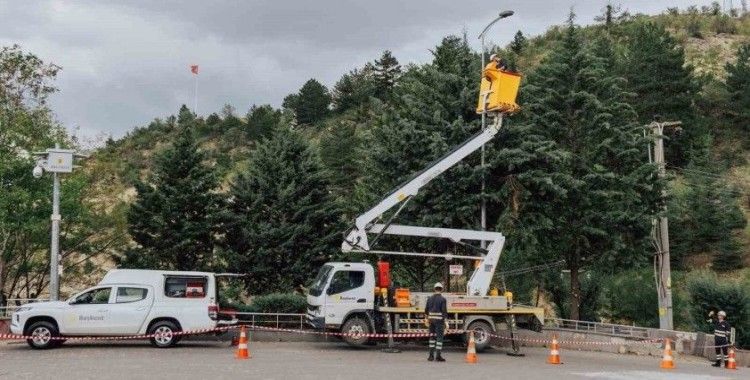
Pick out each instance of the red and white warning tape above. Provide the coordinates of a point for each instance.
(323, 333)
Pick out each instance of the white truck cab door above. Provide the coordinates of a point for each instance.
(129, 308)
(348, 290)
(88, 313)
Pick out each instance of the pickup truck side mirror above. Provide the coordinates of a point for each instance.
(330, 290)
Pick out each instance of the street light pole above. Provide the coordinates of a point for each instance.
(54, 272)
(55, 161)
(483, 216)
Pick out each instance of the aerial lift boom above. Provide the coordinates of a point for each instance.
(357, 239)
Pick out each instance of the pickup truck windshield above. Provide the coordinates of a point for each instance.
(321, 280)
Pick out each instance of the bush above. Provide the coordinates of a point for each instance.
(276, 303)
(631, 298)
(710, 293)
(724, 24)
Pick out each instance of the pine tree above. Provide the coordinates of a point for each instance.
(386, 72)
(519, 43)
(340, 152)
(576, 183)
(704, 217)
(657, 74)
(453, 55)
(313, 102)
(738, 86)
(176, 214)
(283, 222)
(261, 121)
(354, 89)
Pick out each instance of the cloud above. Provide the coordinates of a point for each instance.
(125, 63)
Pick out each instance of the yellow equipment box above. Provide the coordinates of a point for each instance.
(499, 90)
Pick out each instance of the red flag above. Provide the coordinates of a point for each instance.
(194, 69)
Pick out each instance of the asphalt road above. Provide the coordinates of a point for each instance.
(286, 361)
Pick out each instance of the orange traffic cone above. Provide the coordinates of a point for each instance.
(666, 361)
(731, 363)
(471, 350)
(242, 351)
(554, 352)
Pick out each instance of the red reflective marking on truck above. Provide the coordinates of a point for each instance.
(464, 304)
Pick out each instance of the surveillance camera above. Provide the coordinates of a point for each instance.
(37, 172)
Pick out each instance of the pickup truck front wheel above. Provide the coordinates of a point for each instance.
(42, 335)
(164, 334)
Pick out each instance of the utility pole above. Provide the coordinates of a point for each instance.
(55, 161)
(660, 232)
(483, 216)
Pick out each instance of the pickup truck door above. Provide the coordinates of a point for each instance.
(347, 292)
(88, 312)
(129, 308)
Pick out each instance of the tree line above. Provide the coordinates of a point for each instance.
(568, 177)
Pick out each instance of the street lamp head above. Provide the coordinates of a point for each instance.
(505, 14)
(37, 172)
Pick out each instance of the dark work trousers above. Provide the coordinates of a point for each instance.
(721, 352)
(437, 327)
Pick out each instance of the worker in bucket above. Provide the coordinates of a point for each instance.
(497, 63)
(436, 311)
(722, 332)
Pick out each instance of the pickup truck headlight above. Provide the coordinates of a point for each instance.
(22, 309)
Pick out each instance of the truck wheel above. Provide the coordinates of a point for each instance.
(42, 334)
(482, 337)
(356, 329)
(165, 337)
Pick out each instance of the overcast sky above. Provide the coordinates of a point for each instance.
(127, 62)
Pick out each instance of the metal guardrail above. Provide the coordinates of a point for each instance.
(14, 303)
(600, 328)
(277, 320)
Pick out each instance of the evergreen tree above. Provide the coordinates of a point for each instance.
(290, 102)
(283, 222)
(453, 55)
(738, 86)
(340, 152)
(354, 89)
(704, 216)
(312, 102)
(663, 84)
(261, 121)
(174, 220)
(386, 72)
(577, 184)
(519, 43)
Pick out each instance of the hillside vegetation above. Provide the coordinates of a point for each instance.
(270, 191)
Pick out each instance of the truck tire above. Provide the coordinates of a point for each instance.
(358, 326)
(42, 333)
(166, 337)
(482, 337)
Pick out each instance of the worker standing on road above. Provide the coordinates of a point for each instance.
(722, 332)
(436, 311)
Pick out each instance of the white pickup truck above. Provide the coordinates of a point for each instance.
(126, 302)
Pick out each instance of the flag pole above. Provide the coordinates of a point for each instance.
(195, 96)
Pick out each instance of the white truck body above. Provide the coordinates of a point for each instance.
(129, 302)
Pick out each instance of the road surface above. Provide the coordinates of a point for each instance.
(307, 360)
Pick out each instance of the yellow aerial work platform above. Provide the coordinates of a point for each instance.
(498, 91)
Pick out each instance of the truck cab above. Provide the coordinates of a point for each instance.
(126, 302)
(341, 292)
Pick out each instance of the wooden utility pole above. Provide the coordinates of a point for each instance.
(660, 232)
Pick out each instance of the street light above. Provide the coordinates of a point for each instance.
(55, 161)
(499, 17)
